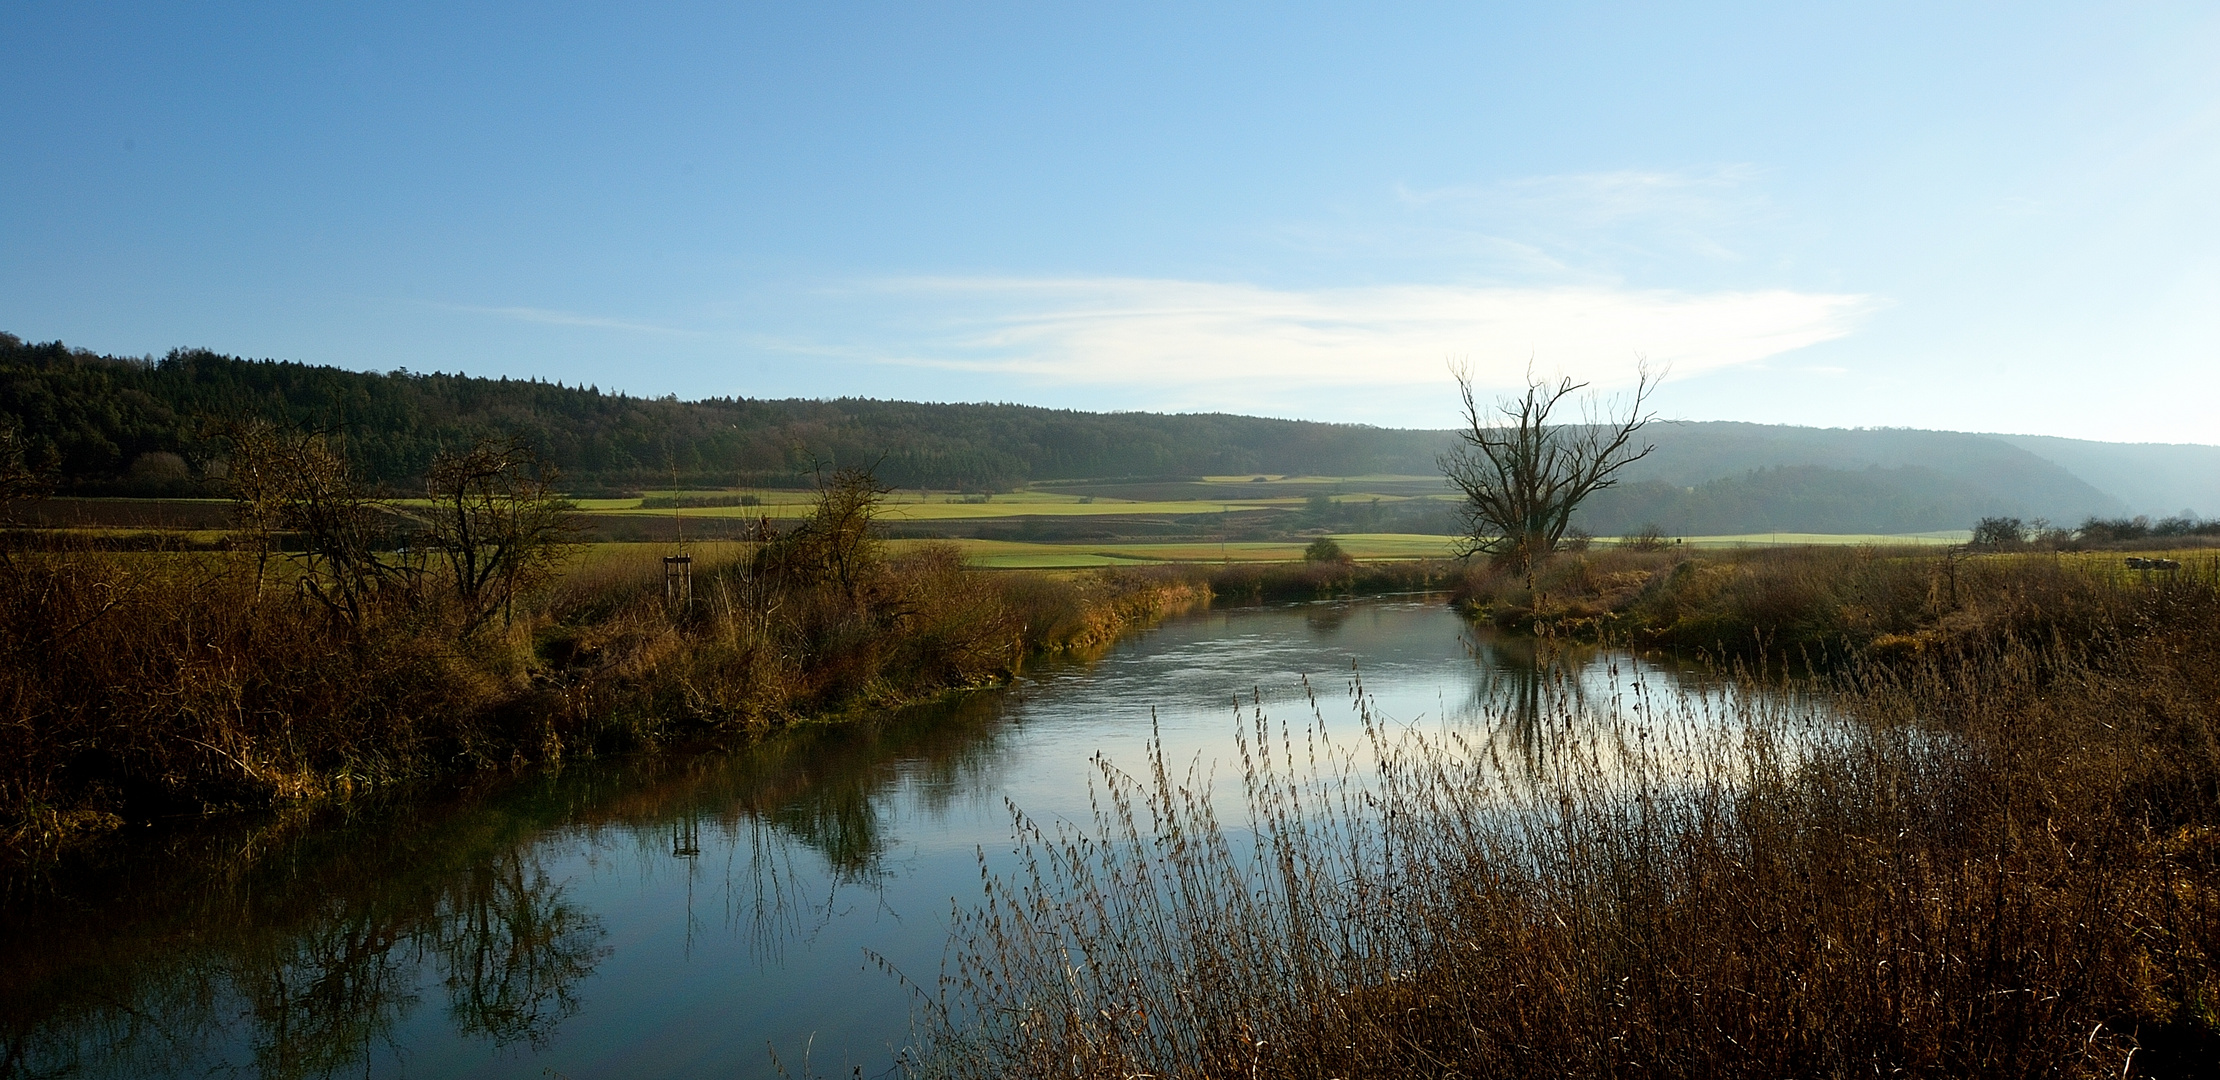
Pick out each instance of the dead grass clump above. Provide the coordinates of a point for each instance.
(790, 633)
(1082, 613)
(1567, 595)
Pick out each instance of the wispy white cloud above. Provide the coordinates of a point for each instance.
(1186, 334)
(1566, 228)
(1602, 198)
(550, 317)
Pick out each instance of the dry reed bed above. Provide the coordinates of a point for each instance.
(1999, 858)
(1825, 602)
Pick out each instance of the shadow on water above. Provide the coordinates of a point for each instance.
(295, 952)
(298, 945)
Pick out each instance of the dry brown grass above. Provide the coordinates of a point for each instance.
(1318, 579)
(134, 685)
(1998, 856)
(1816, 602)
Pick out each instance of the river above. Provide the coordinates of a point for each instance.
(716, 915)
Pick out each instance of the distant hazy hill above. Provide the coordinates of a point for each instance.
(2151, 478)
(116, 425)
(1713, 478)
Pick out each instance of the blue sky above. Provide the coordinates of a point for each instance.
(1984, 217)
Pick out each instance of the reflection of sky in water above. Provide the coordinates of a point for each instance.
(683, 919)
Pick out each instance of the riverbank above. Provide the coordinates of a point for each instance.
(1994, 851)
(138, 685)
(1818, 603)
(668, 913)
(186, 676)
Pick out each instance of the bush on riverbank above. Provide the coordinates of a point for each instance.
(146, 683)
(1315, 579)
(2001, 858)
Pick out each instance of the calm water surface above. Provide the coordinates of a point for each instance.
(683, 919)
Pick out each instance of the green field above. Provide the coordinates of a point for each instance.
(1019, 555)
(1789, 539)
(1060, 501)
(1124, 507)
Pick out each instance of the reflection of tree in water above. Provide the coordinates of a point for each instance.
(1532, 684)
(514, 951)
(306, 941)
(322, 996)
(1325, 618)
(307, 954)
(1545, 697)
(841, 821)
(826, 787)
(513, 948)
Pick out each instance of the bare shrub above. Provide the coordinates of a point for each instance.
(1325, 550)
(289, 484)
(1999, 532)
(837, 543)
(1649, 537)
(496, 524)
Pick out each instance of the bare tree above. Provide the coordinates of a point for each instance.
(836, 545)
(19, 482)
(1523, 475)
(497, 522)
(290, 482)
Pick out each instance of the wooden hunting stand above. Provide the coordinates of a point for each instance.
(678, 582)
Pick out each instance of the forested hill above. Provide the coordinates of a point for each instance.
(115, 425)
(118, 424)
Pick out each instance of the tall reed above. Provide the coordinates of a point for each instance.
(2000, 857)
